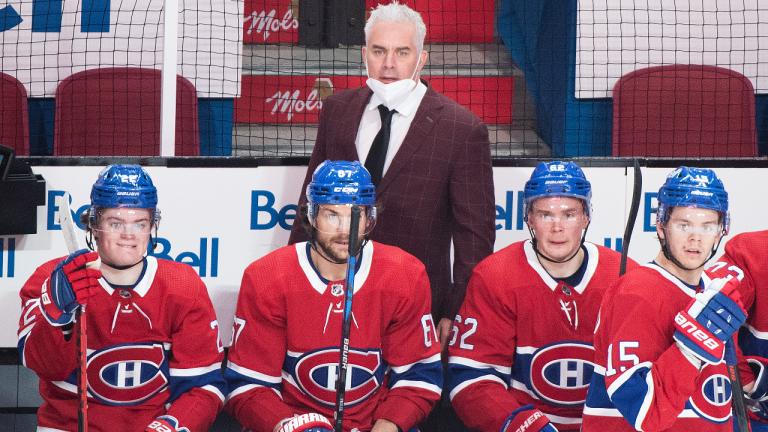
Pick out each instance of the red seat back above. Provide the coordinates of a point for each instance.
(116, 112)
(14, 117)
(684, 111)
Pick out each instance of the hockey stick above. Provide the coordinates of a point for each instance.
(737, 391)
(73, 245)
(636, 192)
(346, 325)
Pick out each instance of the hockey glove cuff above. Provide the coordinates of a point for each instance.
(527, 418)
(307, 423)
(165, 423)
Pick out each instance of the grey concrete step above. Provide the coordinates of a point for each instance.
(444, 60)
(279, 140)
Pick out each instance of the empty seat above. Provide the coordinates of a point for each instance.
(116, 112)
(684, 111)
(14, 117)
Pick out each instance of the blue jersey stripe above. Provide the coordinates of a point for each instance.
(427, 372)
(460, 373)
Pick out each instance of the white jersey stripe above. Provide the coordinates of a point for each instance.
(253, 374)
(402, 369)
(467, 383)
(478, 365)
(418, 384)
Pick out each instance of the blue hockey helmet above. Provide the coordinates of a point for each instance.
(340, 182)
(557, 179)
(124, 186)
(693, 187)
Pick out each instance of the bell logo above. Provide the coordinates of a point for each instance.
(200, 260)
(505, 213)
(259, 210)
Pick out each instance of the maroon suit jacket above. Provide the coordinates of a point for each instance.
(438, 187)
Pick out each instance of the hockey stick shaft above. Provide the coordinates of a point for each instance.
(737, 392)
(70, 238)
(346, 326)
(82, 377)
(636, 192)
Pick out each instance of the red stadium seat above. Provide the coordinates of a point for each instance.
(684, 111)
(116, 112)
(14, 117)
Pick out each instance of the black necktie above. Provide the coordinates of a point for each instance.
(374, 163)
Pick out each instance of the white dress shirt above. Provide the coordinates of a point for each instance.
(370, 124)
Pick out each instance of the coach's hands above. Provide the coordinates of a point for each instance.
(71, 283)
(709, 321)
(444, 327)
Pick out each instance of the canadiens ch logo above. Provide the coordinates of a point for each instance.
(713, 401)
(315, 373)
(561, 371)
(127, 374)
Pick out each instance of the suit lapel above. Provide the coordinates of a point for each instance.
(354, 112)
(424, 121)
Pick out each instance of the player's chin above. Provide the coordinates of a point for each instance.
(559, 254)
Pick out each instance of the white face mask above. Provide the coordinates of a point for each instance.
(393, 93)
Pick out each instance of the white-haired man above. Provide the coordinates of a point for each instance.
(428, 156)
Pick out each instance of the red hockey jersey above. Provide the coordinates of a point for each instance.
(642, 380)
(521, 337)
(285, 348)
(153, 350)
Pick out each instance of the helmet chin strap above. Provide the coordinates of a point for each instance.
(534, 244)
(668, 254)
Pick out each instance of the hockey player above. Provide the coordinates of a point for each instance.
(745, 258)
(521, 349)
(154, 363)
(660, 341)
(285, 349)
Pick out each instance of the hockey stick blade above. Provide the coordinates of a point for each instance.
(636, 192)
(73, 245)
(68, 225)
(341, 378)
(737, 391)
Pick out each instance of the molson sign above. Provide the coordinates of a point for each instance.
(460, 21)
(271, 21)
(299, 98)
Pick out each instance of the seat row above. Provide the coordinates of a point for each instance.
(104, 112)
